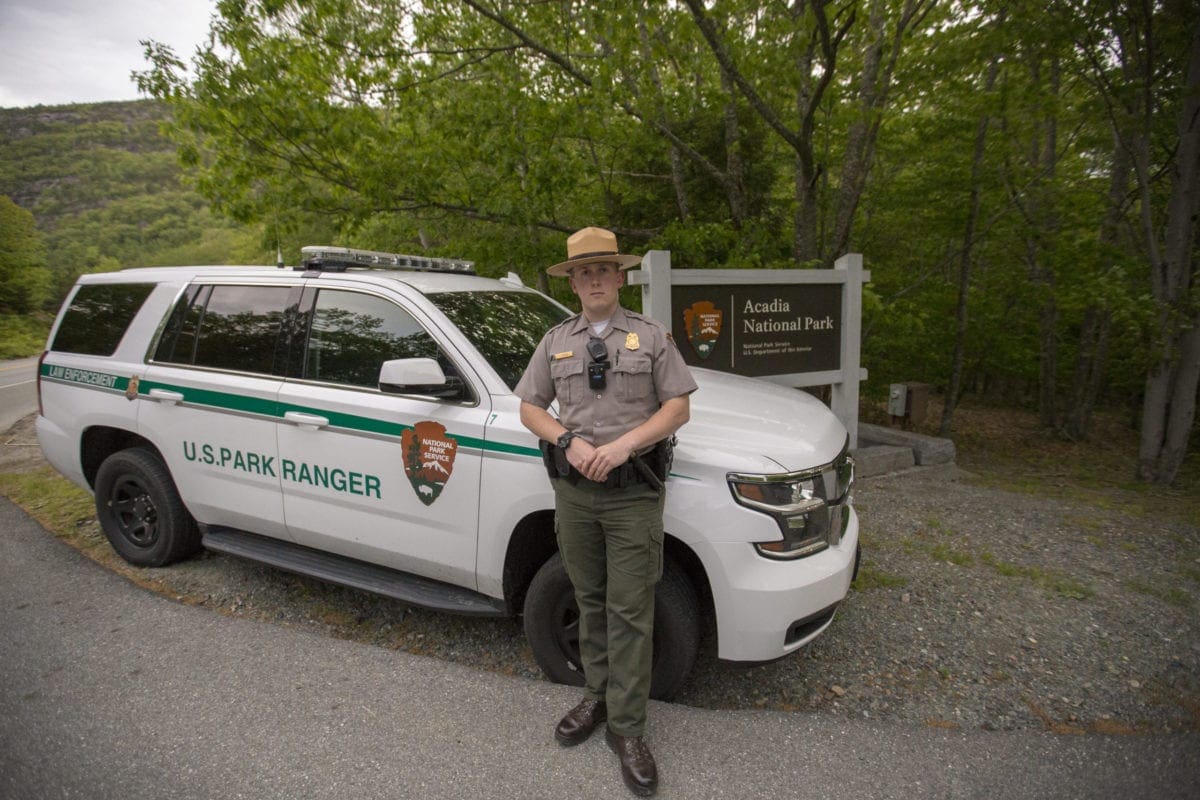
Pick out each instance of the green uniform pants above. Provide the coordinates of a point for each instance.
(611, 542)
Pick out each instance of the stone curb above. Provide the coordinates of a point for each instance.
(878, 446)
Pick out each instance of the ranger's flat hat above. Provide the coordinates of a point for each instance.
(592, 246)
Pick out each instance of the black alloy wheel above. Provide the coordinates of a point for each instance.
(140, 510)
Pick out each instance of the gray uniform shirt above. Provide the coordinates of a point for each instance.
(645, 371)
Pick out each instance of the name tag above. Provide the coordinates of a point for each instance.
(561, 356)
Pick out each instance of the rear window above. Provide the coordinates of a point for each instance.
(98, 317)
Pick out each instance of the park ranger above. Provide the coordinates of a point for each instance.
(622, 389)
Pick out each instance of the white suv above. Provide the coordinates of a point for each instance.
(357, 424)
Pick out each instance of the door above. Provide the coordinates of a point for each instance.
(209, 401)
(386, 478)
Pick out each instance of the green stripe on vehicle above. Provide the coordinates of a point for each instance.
(272, 409)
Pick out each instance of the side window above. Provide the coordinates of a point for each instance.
(239, 328)
(352, 334)
(98, 316)
(227, 327)
(178, 342)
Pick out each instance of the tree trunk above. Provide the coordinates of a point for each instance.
(734, 168)
(1036, 202)
(875, 82)
(1170, 403)
(954, 387)
(676, 158)
(1089, 371)
(1093, 335)
(805, 242)
(1048, 361)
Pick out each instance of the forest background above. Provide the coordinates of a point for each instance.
(1022, 178)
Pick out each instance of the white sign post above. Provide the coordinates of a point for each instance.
(769, 334)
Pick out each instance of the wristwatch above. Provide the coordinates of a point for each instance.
(564, 441)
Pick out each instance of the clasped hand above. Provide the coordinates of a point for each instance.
(594, 463)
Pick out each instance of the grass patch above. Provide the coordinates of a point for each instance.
(874, 578)
(944, 552)
(1051, 580)
(1171, 595)
(51, 499)
(1087, 523)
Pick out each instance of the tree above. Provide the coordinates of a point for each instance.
(959, 146)
(25, 282)
(1145, 61)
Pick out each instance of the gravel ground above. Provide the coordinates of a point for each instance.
(976, 608)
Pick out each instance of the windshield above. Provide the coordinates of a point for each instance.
(505, 327)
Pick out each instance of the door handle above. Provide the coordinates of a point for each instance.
(309, 422)
(165, 396)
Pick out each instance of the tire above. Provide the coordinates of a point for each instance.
(552, 627)
(140, 510)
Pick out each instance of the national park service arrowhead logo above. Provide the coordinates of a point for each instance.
(132, 388)
(703, 323)
(428, 459)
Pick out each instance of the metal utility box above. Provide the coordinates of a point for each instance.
(907, 403)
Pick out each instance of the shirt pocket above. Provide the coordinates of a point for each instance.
(634, 377)
(568, 379)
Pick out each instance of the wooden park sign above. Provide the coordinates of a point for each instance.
(796, 327)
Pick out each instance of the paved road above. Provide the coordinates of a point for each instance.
(18, 390)
(110, 691)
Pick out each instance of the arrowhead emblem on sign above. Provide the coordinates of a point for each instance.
(702, 320)
(428, 459)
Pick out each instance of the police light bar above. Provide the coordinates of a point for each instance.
(339, 259)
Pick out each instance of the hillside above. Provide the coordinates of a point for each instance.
(106, 191)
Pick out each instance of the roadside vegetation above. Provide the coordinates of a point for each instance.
(23, 335)
(1016, 182)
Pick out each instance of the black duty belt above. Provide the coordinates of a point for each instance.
(650, 469)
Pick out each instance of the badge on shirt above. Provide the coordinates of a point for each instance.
(561, 356)
(631, 342)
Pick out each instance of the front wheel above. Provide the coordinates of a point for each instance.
(552, 627)
(140, 510)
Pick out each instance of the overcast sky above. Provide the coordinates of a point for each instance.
(54, 52)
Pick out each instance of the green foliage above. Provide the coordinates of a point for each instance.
(23, 335)
(490, 130)
(24, 279)
(874, 578)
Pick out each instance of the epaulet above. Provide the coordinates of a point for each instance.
(643, 318)
(568, 321)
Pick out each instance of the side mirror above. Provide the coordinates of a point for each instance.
(420, 376)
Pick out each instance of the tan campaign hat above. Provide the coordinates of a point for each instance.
(591, 246)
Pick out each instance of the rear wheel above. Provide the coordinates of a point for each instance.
(552, 627)
(140, 510)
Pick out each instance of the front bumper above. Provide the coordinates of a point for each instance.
(766, 609)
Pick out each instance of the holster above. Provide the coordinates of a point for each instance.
(659, 459)
(555, 460)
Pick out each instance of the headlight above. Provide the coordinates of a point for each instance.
(809, 506)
